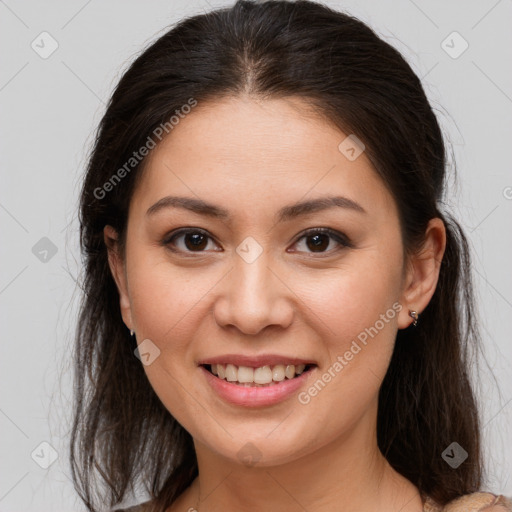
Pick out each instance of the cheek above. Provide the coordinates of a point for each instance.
(166, 299)
(352, 297)
(355, 313)
(356, 323)
(168, 305)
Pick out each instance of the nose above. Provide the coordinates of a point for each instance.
(254, 296)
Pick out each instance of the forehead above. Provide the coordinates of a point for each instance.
(251, 153)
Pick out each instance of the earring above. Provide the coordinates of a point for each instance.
(414, 316)
(131, 333)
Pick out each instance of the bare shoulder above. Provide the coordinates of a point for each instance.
(480, 502)
(498, 507)
(502, 504)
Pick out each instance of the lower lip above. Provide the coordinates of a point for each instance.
(255, 396)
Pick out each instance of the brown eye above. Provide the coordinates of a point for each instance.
(188, 240)
(195, 241)
(320, 239)
(318, 242)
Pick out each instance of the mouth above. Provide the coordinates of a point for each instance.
(263, 376)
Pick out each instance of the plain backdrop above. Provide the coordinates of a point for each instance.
(50, 107)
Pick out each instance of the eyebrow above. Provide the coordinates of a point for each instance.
(286, 213)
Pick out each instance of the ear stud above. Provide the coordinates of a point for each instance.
(414, 317)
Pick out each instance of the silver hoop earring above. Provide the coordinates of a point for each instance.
(414, 317)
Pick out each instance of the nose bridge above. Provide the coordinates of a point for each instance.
(255, 298)
(252, 277)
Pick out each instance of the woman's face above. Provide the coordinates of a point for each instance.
(251, 283)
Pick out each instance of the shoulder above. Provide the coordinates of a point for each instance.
(474, 502)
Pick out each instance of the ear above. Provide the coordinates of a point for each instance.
(118, 269)
(422, 272)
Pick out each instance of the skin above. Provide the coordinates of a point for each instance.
(254, 157)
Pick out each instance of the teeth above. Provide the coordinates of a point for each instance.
(263, 375)
(245, 374)
(231, 372)
(278, 373)
(290, 371)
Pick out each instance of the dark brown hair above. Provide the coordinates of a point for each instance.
(354, 79)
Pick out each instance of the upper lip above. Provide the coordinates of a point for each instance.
(255, 361)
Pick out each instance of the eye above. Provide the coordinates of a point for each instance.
(193, 240)
(320, 239)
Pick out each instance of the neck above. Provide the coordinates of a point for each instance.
(348, 473)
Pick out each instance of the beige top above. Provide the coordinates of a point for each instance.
(474, 502)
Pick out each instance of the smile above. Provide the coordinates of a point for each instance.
(256, 387)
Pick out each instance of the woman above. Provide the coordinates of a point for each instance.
(278, 312)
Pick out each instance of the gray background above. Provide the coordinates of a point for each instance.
(50, 108)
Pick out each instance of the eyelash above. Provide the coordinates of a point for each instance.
(340, 238)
